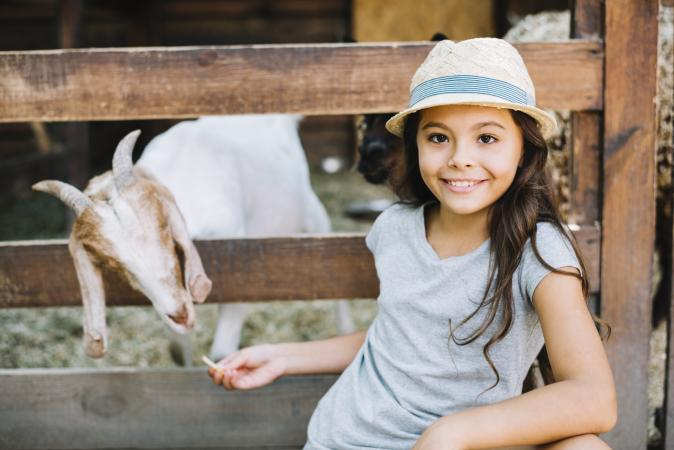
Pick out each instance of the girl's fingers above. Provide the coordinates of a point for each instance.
(216, 375)
(233, 361)
(227, 379)
(227, 359)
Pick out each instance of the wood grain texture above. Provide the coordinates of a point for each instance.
(151, 409)
(586, 23)
(39, 274)
(584, 171)
(586, 19)
(141, 83)
(628, 214)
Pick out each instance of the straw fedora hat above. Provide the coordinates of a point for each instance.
(480, 71)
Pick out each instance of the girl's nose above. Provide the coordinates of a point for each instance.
(460, 156)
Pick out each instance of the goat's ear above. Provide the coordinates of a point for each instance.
(196, 281)
(439, 37)
(93, 300)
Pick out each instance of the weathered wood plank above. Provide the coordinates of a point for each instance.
(585, 158)
(586, 19)
(584, 170)
(313, 79)
(151, 409)
(40, 273)
(628, 216)
(76, 135)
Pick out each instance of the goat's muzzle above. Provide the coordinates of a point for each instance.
(183, 317)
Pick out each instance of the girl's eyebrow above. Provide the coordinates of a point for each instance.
(435, 124)
(484, 124)
(474, 127)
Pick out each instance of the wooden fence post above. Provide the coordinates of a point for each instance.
(628, 213)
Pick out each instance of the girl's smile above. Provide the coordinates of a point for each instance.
(460, 186)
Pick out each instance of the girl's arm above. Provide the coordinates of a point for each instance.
(259, 365)
(324, 356)
(582, 401)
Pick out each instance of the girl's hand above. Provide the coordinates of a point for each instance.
(249, 368)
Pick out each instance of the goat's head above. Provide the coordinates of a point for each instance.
(379, 152)
(129, 223)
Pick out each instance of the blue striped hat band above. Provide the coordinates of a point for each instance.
(470, 84)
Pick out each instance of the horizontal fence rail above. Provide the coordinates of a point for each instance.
(312, 79)
(41, 273)
(151, 409)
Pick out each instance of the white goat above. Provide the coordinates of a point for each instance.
(230, 176)
(236, 176)
(129, 223)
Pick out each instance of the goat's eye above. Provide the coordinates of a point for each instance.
(487, 139)
(437, 138)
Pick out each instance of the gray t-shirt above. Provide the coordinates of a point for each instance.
(408, 373)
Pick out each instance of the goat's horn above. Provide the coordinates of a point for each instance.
(122, 164)
(68, 194)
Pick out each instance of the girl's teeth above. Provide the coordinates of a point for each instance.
(461, 183)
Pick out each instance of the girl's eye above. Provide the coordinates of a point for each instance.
(487, 139)
(437, 138)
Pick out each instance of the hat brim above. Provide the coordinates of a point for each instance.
(546, 122)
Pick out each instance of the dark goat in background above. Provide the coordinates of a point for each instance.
(379, 150)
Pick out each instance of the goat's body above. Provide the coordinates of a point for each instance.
(236, 176)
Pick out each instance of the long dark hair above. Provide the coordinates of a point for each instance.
(512, 221)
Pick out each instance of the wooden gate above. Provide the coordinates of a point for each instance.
(607, 78)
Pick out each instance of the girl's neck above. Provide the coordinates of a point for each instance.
(465, 228)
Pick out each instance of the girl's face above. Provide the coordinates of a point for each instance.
(468, 155)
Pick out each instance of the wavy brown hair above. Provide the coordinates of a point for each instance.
(512, 221)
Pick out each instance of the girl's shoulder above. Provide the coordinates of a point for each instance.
(554, 248)
(398, 216)
(549, 235)
(396, 211)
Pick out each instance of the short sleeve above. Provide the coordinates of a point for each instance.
(372, 238)
(554, 248)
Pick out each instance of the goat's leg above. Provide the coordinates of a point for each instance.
(180, 349)
(345, 324)
(93, 300)
(231, 317)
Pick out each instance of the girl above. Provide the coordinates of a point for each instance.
(475, 270)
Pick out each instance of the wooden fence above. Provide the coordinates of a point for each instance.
(607, 78)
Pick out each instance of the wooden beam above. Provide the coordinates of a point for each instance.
(76, 135)
(151, 409)
(628, 214)
(584, 171)
(586, 23)
(313, 79)
(242, 270)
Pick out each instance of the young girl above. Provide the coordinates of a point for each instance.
(475, 270)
